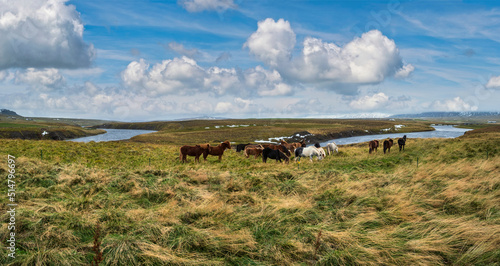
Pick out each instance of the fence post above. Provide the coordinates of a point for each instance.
(41, 154)
(149, 161)
(417, 161)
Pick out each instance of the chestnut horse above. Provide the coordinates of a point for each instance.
(195, 151)
(252, 151)
(388, 144)
(217, 150)
(373, 145)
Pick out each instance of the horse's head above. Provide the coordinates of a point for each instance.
(226, 144)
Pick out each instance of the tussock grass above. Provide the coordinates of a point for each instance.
(371, 209)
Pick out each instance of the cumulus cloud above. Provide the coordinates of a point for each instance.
(44, 79)
(454, 105)
(210, 5)
(493, 83)
(370, 102)
(266, 82)
(42, 34)
(273, 42)
(368, 59)
(183, 76)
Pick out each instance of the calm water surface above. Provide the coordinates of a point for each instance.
(440, 132)
(114, 134)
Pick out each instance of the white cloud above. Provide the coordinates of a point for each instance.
(42, 34)
(372, 102)
(45, 79)
(183, 76)
(454, 105)
(368, 59)
(404, 72)
(201, 5)
(273, 42)
(177, 76)
(266, 83)
(493, 83)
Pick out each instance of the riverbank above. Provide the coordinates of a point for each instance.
(45, 131)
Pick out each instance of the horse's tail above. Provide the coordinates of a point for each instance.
(245, 152)
(180, 154)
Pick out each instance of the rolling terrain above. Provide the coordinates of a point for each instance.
(436, 203)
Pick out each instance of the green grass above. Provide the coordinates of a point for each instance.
(371, 209)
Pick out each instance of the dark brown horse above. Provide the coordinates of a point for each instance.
(195, 151)
(402, 143)
(217, 150)
(274, 154)
(388, 144)
(373, 145)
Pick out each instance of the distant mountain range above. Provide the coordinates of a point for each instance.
(447, 114)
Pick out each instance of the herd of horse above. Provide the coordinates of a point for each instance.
(387, 144)
(280, 152)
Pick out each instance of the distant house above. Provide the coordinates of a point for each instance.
(492, 122)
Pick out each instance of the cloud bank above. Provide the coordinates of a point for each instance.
(493, 83)
(42, 34)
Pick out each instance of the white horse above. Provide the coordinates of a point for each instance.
(309, 152)
(331, 148)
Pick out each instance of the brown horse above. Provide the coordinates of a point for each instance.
(217, 150)
(388, 144)
(195, 151)
(373, 145)
(290, 146)
(252, 151)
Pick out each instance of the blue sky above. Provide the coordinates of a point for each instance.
(156, 60)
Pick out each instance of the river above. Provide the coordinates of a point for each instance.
(440, 132)
(113, 135)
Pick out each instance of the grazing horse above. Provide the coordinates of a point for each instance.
(195, 151)
(217, 150)
(402, 143)
(281, 147)
(372, 145)
(309, 152)
(252, 151)
(290, 146)
(274, 154)
(331, 148)
(241, 147)
(388, 144)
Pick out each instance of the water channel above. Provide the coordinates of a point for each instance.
(113, 135)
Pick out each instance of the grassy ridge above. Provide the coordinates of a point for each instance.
(369, 209)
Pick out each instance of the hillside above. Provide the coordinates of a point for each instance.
(434, 204)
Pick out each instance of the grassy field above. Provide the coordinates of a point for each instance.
(349, 209)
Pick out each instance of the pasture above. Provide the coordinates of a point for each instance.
(351, 208)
